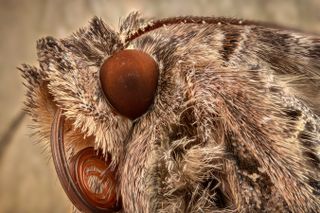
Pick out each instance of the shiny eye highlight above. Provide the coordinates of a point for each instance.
(129, 80)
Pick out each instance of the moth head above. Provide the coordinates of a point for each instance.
(114, 110)
(164, 116)
(85, 98)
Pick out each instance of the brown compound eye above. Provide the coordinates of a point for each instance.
(129, 80)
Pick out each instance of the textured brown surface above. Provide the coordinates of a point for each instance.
(27, 180)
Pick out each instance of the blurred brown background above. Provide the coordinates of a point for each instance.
(27, 180)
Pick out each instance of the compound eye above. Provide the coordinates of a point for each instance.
(129, 80)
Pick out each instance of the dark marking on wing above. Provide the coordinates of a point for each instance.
(308, 141)
(314, 51)
(230, 43)
(279, 41)
(277, 52)
(293, 114)
(315, 184)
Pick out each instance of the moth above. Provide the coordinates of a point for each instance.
(181, 114)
